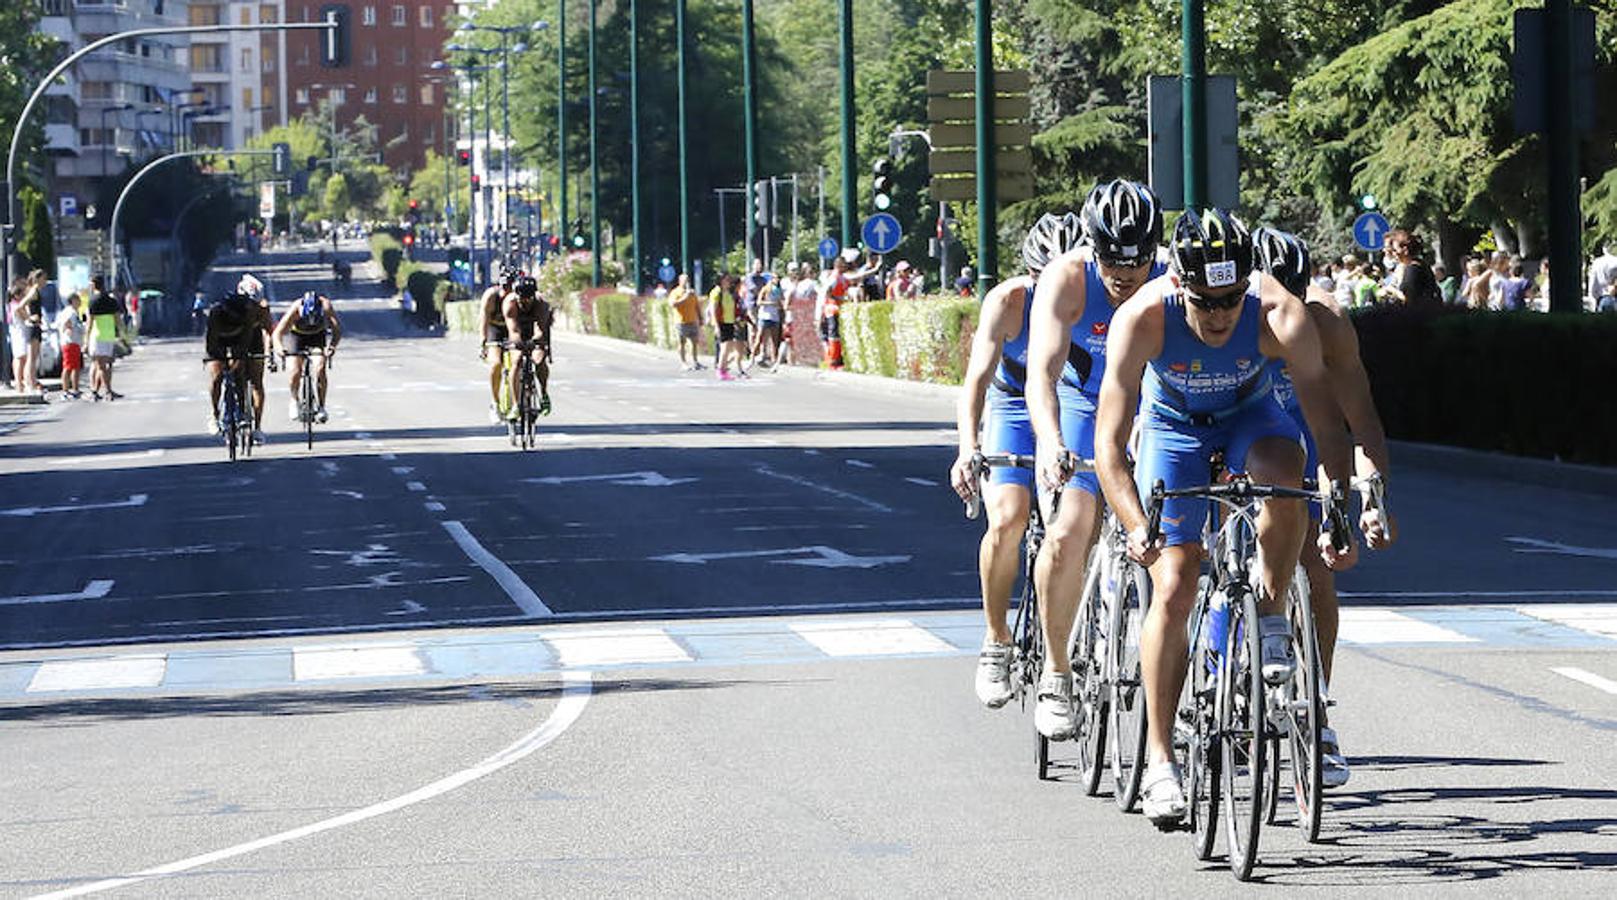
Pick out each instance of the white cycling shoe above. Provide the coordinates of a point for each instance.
(1333, 767)
(1162, 799)
(292, 410)
(994, 674)
(213, 425)
(1278, 662)
(1053, 714)
(320, 415)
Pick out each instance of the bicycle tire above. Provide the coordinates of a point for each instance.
(308, 392)
(1244, 743)
(1128, 701)
(1204, 752)
(249, 418)
(530, 423)
(229, 399)
(1305, 710)
(1090, 690)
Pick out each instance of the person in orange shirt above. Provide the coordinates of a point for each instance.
(904, 286)
(685, 302)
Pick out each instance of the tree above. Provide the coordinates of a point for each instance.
(428, 188)
(38, 239)
(334, 200)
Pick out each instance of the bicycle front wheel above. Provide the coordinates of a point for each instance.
(1127, 704)
(1090, 692)
(1305, 709)
(1203, 752)
(1244, 743)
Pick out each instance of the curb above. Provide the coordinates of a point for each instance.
(22, 400)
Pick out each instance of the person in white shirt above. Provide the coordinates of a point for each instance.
(70, 327)
(1603, 279)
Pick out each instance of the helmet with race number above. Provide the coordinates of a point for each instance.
(1283, 255)
(1050, 237)
(527, 286)
(1211, 248)
(509, 275)
(311, 310)
(1123, 222)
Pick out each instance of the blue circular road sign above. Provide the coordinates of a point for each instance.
(666, 273)
(881, 233)
(829, 248)
(1370, 230)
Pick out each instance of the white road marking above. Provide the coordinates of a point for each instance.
(616, 647)
(1383, 626)
(352, 495)
(1462, 595)
(140, 671)
(514, 587)
(321, 663)
(872, 504)
(924, 482)
(881, 637)
(859, 464)
(627, 479)
(134, 500)
(575, 696)
(1534, 545)
(433, 506)
(389, 457)
(1589, 678)
(409, 608)
(403, 470)
(328, 469)
(415, 486)
(95, 590)
(111, 457)
(822, 557)
(1595, 618)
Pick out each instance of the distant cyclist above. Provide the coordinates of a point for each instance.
(309, 324)
(997, 372)
(528, 318)
(495, 335)
(234, 330)
(1285, 257)
(1122, 226)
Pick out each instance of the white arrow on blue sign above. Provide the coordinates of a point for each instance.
(665, 274)
(829, 248)
(1370, 230)
(882, 233)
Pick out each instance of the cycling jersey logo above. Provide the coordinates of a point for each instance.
(1099, 328)
(1179, 367)
(1244, 363)
(1174, 521)
(1195, 365)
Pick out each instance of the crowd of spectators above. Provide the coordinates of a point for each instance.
(87, 327)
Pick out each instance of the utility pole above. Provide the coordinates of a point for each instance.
(1565, 218)
(561, 123)
(794, 217)
(987, 203)
(749, 117)
(1193, 95)
(850, 193)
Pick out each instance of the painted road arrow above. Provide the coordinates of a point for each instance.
(134, 500)
(824, 557)
(630, 479)
(95, 590)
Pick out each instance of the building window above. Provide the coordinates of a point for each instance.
(401, 56)
(303, 55)
(206, 58)
(431, 135)
(368, 16)
(246, 59)
(400, 94)
(302, 96)
(269, 64)
(426, 95)
(400, 18)
(246, 16)
(338, 96)
(368, 58)
(268, 15)
(426, 17)
(204, 15)
(370, 95)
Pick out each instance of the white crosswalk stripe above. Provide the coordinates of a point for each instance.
(142, 671)
(1594, 618)
(1383, 626)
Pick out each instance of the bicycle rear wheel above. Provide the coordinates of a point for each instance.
(1244, 744)
(1127, 703)
(1203, 753)
(248, 419)
(1090, 691)
(1305, 708)
(229, 413)
(308, 392)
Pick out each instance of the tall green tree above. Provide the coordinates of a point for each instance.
(38, 239)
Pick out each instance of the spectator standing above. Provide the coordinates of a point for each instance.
(1515, 288)
(724, 314)
(70, 331)
(103, 339)
(685, 303)
(966, 284)
(771, 317)
(833, 293)
(1478, 277)
(1499, 263)
(904, 286)
(1448, 286)
(1603, 279)
(1412, 281)
(27, 319)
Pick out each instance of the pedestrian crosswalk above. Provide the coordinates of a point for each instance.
(532, 651)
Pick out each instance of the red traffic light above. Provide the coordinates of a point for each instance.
(477, 182)
(409, 239)
(415, 205)
(464, 157)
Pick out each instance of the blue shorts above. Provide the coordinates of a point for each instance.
(1178, 453)
(1009, 431)
(1078, 433)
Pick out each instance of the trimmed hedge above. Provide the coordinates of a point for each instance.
(1530, 384)
(388, 252)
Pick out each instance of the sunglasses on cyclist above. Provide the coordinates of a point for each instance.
(1122, 262)
(1213, 301)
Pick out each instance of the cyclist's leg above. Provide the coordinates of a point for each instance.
(542, 371)
(255, 372)
(216, 377)
(494, 337)
(320, 381)
(1009, 493)
(1059, 571)
(1265, 443)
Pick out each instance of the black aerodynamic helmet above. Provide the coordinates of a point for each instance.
(1050, 237)
(1123, 222)
(526, 286)
(1283, 255)
(1211, 248)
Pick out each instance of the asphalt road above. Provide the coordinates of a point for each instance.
(710, 639)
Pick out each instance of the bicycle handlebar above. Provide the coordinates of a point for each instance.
(1242, 489)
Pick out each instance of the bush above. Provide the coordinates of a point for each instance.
(1526, 383)
(614, 316)
(932, 338)
(423, 286)
(388, 252)
(867, 338)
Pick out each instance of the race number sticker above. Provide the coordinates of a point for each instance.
(1221, 274)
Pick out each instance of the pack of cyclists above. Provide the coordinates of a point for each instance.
(515, 319)
(240, 330)
(1145, 359)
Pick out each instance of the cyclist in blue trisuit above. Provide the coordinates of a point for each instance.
(309, 324)
(1199, 339)
(997, 371)
(1285, 257)
(1122, 223)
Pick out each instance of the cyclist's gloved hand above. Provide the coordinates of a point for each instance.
(963, 474)
(1374, 536)
(1054, 467)
(1141, 549)
(1335, 528)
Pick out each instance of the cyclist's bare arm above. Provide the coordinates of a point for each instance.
(1059, 306)
(1349, 382)
(1134, 340)
(997, 322)
(280, 327)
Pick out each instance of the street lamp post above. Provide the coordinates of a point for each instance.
(634, 145)
(505, 51)
(178, 114)
(595, 166)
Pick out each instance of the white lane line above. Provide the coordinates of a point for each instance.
(403, 470)
(415, 485)
(882, 637)
(434, 506)
(1589, 678)
(95, 590)
(320, 663)
(1462, 595)
(924, 482)
(1383, 626)
(1594, 618)
(576, 687)
(27, 511)
(860, 464)
(616, 647)
(389, 457)
(514, 587)
(878, 507)
(139, 671)
(112, 457)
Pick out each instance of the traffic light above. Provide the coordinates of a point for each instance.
(762, 211)
(314, 162)
(881, 188)
(578, 235)
(477, 183)
(415, 205)
(334, 41)
(464, 157)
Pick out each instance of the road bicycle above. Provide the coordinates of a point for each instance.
(1230, 719)
(236, 413)
(521, 420)
(308, 391)
(1111, 694)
